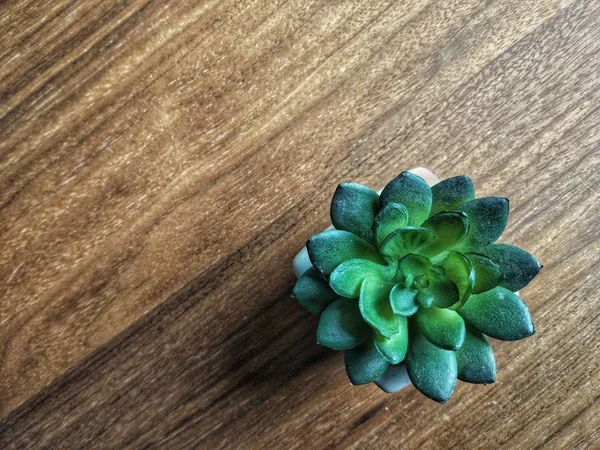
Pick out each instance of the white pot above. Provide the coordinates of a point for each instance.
(395, 377)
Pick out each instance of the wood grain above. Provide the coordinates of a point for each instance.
(162, 162)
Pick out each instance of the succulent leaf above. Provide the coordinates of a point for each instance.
(425, 298)
(411, 191)
(436, 272)
(444, 292)
(413, 265)
(487, 273)
(404, 241)
(403, 301)
(374, 304)
(347, 278)
(341, 326)
(450, 193)
(389, 219)
(442, 327)
(475, 359)
(488, 217)
(421, 282)
(313, 292)
(518, 266)
(498, 313)
(449, 228)
(460, 270)
(364, 363)
(329, 249)
(353, 209)
(393, 349)
(431, 369)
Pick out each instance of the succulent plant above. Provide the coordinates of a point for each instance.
(413, 276)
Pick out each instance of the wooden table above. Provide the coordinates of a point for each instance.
(162, 162)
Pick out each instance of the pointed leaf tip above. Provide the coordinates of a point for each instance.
(487, 217)
(518, 266)
(449, 194)
(411, 191)
(353, 209)
(498, 313)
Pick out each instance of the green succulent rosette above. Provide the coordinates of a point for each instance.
(413, 276)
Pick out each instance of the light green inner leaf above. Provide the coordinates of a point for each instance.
(425, 298)
(348, 277)
(460, 271)
(375, 306)
(403, 300)
(444, 292)
(449, 228)
(404, 241)
(487, 273)
(436, 272)
(413, 265)
(442, 327)
(393, 349)
(389, 219)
